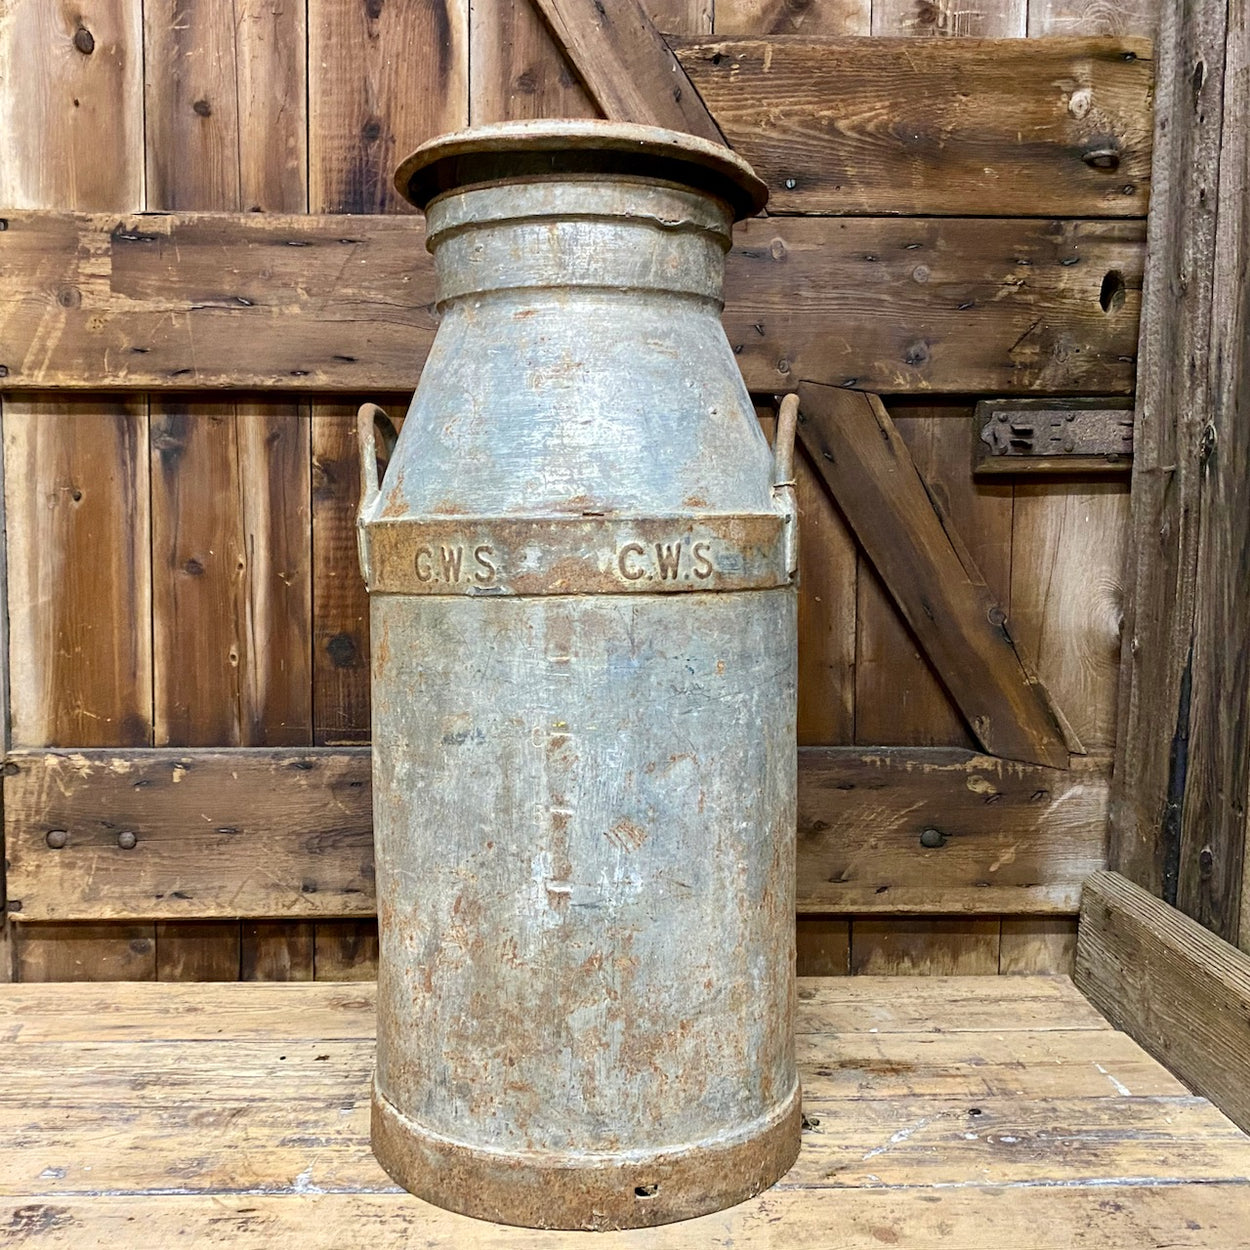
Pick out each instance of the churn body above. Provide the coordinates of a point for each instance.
(581, 565)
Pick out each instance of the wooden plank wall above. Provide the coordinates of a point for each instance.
(229, 611)
(1052, 552)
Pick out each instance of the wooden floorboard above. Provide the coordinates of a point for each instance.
(941, 1111)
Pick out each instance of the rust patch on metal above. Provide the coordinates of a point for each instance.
(593, 1193)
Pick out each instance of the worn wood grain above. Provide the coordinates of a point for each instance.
(345, 304)
(969, 128)
(1112, 1217)
(76, 511)
(189, 950)
(1011, 838)
(828, 569)
(1094, 17)
(1037, 944)
(131, 1144)
(899, 699)
(938, 590)
(1068, 551)
(71, 120)
(342, 949)
(926, 946)
(793, 17)
(628, 70)
(225, 106)
(327, 1011)
(287, 833)
(822, 947)
(1180, 991)
(1214, 846)
(71, 108)
(519, 71)
(1074, 1063)
(230, 547)
(382, 78)
(1169, 451)
(84, 952)
(949, 18)
(346, 950)
(226, 117)
(219, 833)
(340, 604)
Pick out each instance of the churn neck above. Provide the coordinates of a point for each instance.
(512, 152)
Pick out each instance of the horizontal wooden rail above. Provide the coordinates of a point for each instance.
(321, 303)
(1171, 985)
(970, 127)
(170, 834)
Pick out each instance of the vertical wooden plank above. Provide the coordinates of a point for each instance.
(79, 659)
(1094, 17)
(1032, 945)
(384, 75)
(899, 700)
(822, 947)
(828, 568)
(340, 605)
(1170, 450)
(225, 92)
(347, 952)
(189, 950)
(793, 17)
(1067, 597)
(924, 946)
(226, 105)
(71, 122)
(6, 930)
(518, 72)
(85, 952)
(826, 624)
(277, 950)
(1214, 841)
(230, 503)
(76, 505)
(232, 593)
(984, 19)
(680, 17)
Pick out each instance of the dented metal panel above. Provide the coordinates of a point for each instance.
(581, 564)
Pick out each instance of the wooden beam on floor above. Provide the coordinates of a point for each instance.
(1182, 776)
(1176, 988)
(345, 304)
(626, 67)
(288, 833)
(983, 127)
(928, 572)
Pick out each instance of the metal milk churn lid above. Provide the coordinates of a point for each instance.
(581, 566)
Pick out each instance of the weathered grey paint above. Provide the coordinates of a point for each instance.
(581, 563)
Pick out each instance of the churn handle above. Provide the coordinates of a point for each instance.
(366, 433)
(783, 476)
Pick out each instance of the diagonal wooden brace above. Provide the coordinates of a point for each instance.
(929, 574)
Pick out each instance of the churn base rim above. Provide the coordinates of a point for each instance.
(639, 1191)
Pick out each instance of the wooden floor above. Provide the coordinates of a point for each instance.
(978, 1112)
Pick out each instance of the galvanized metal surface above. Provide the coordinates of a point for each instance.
(583, 622)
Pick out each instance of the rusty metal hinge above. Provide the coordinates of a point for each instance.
(1052, 436)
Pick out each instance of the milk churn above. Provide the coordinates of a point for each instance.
(581, 563)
